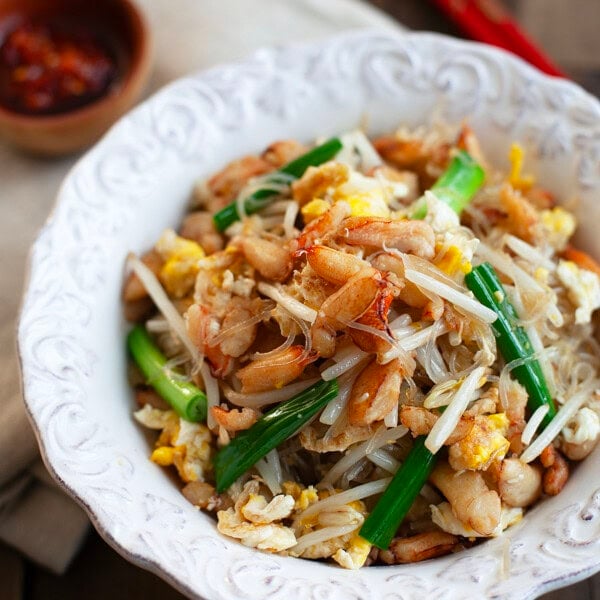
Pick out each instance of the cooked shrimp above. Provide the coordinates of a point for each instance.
(541, 198)
(282, 152)
(519, 484)
(516, 402)
(556, 471)
(403, 154)
(473, 503)
(199, 227)
(227, 183)
(419, 547)
(133, 289)
(332, 265)
(271, 260)
(235, 419)
(339, 443)
(342, 307)
(416, 154)
(238, 312)
(323, 227)
(202, 326)
(375, 392)
(414, 237)
(408, 292)
(420, 421)
(275, 371)
(578, 451)
(376, 318)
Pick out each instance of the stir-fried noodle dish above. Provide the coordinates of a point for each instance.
(368, 351)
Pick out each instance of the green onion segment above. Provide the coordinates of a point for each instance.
(456, 186)
(389, 512)
(188, 401)
(273, 428)
(261, 198)
(512, 340)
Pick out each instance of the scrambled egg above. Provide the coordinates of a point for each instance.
(355, 555)
(154, 418)
(366, 197)
(454, 248)
(439, 215)
(559, 226)
(339, 516)
(185, 445)
(271, 537)
(349, 550)
(445, 519)
(583, 427)
(252, 520)
(257, 510)
(303, 497)
(583, 289)
(367, 205)
(484, 444)
(516, 157)
(453, 261)
(315, 208)
(181, 257)
(541, 275)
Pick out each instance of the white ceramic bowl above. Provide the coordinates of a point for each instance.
(136, 181)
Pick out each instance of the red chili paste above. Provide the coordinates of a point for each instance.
(44, 69)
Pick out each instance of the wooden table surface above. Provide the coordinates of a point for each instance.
(568, 31)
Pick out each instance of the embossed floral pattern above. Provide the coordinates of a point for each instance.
(136, 181)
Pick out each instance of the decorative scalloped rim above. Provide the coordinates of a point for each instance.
(557, 544)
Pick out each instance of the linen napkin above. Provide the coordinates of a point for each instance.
(35, 516)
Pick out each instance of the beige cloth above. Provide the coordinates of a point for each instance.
(189, 35)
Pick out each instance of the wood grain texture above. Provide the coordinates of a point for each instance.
(12, 570)
(567, 30)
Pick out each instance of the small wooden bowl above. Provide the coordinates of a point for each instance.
(124, 28)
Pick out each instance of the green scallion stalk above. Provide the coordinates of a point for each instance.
(512, 340)
(456, 186)
(389, 512)
(273, 428)
(261, 198)
(183, 397)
